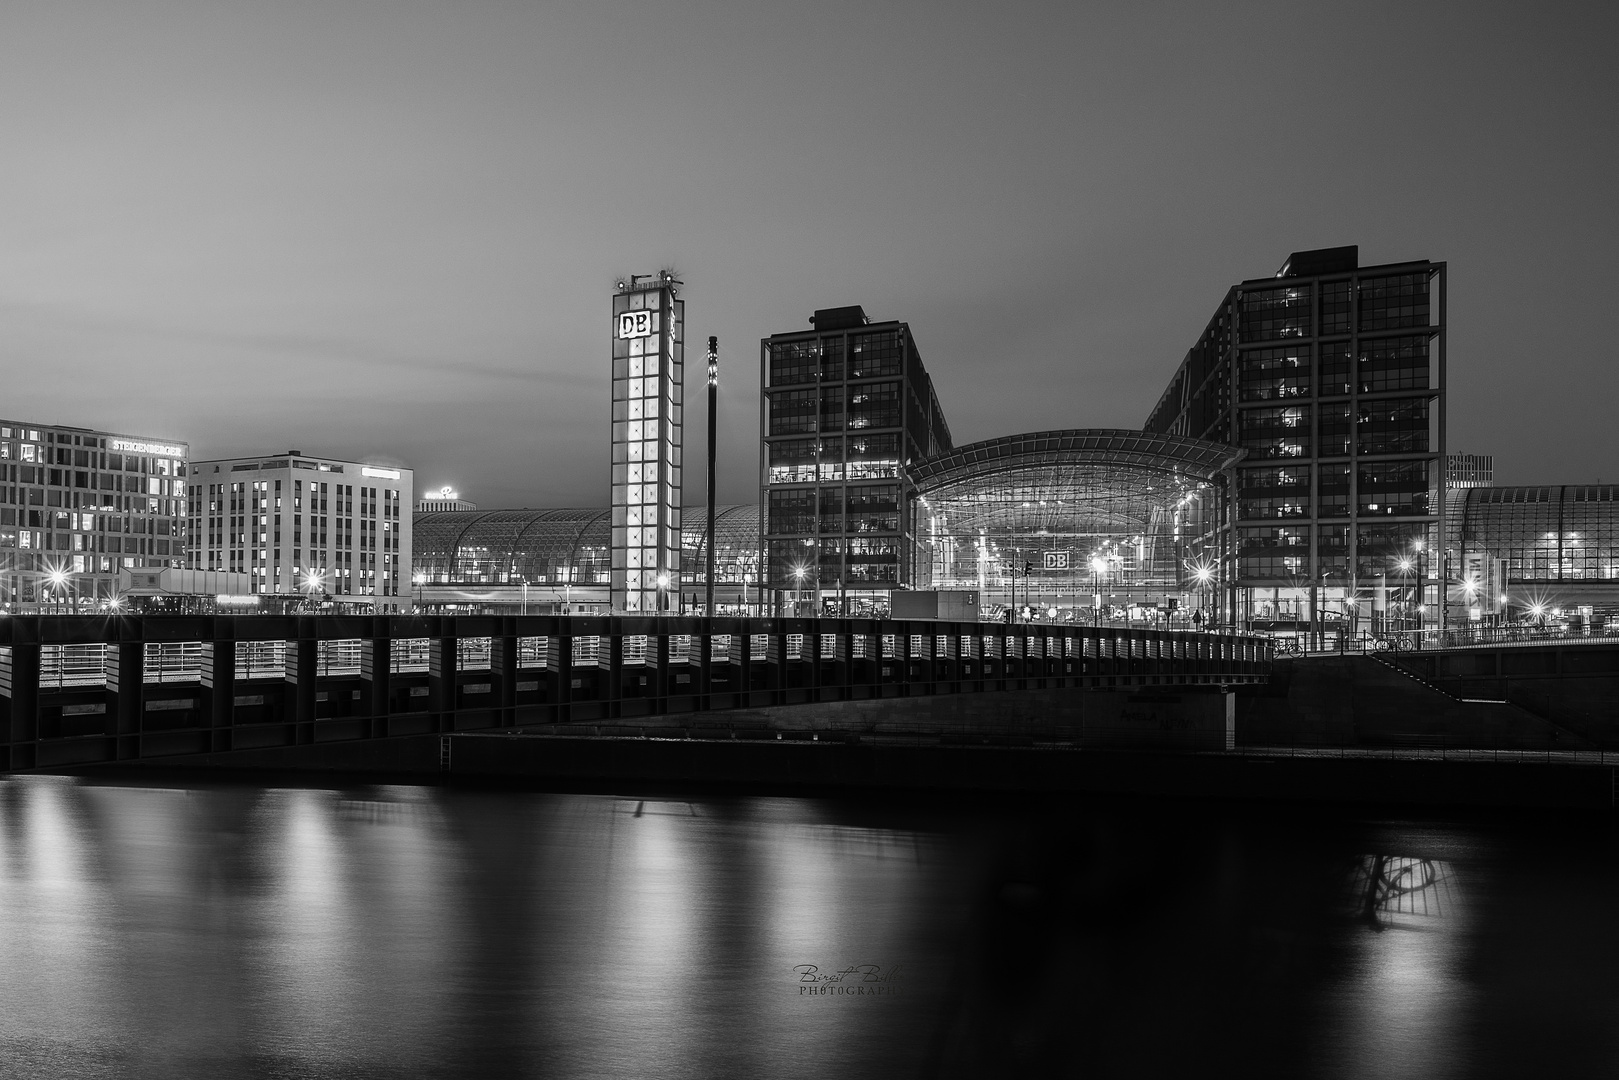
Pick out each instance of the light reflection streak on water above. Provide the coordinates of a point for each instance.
(53, 921)
(303, 928)
(1405, 1001)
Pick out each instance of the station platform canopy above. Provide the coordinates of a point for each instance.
(1126, 513)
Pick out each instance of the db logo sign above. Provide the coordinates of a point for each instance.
(1056, 560)
(634, 324)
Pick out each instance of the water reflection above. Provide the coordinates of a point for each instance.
(219, 931)
(1401, 892)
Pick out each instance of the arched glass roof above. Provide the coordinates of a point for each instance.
(1546, 534)
(566, 545)
(1143, 506)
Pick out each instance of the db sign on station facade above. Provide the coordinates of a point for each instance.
(634, 324)
(1056, 560)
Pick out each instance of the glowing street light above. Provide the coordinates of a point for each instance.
(1098, 568)
(798, 587)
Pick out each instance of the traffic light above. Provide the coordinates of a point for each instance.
(1028, 568)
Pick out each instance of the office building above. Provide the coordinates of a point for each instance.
(1330, 377)
(847, 411)
(648, 358)
(77, 505)
(301, 525)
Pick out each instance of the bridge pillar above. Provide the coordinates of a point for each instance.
(564, 672)
(302, 663)
(219, 691)
(705, 663)
(125, 666)
(19, 681)
(613, 705)
(503, 672)
(442, 656)
(658, 655)
(376, 672)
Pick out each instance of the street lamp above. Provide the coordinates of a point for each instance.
(798, 587)
(312, 585)
(419, 578)
(663, 595)
(58, 579)
(1203, 575)
(1098, 567)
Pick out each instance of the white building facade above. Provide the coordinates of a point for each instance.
(301, 525)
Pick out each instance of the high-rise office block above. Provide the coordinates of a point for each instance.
(847, 409)
(648, 371)
(1331, 377)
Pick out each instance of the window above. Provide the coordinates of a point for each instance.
(1399, 363)
(1399, 425)
(1276, 433)
(1393, 488)
(1394, 301)
(1274, 493)
(873, 508)
(1271, 314)
(1335, 307)
(874, 406)
(874, 354)
(1270, 374)
(790, 411)
(792, 511)
(794, 362)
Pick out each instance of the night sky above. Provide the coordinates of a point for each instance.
(390, 230)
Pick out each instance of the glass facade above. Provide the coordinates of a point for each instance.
(76, 506)
(648, 374)
(847, 408)
(1052, 519)
(569, 548)
(1330, 378)
(1548, 536)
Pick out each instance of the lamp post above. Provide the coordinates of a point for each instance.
(663, 594)
(713, 398)
(1422, 592)
(419, 579)
(1202, 574)
(58, 578)
(798, 588)
(1098, 565)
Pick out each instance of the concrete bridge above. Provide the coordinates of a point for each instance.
(79, 690)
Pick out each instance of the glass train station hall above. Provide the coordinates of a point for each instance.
(1294, 475)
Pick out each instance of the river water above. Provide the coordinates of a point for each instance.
(186, 929)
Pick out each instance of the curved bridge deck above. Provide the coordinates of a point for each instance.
(83, 689)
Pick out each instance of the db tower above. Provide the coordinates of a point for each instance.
(648, 333)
